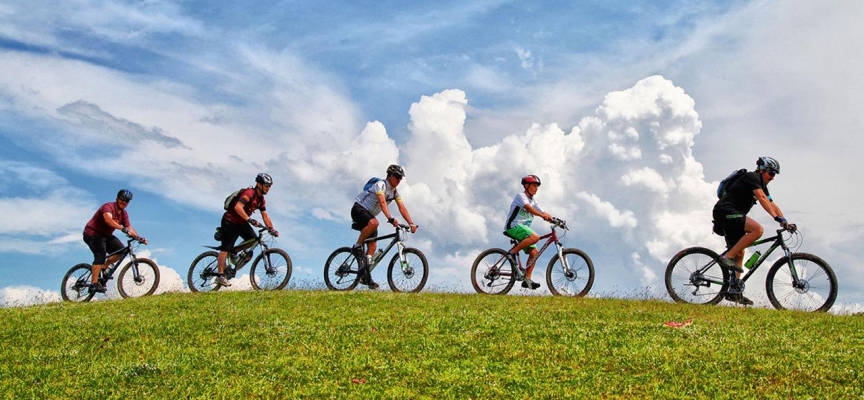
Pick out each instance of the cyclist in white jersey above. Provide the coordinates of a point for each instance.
(518, 226)
(371, 202)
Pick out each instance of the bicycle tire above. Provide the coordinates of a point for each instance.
(819, 285)
(278, 274)
(493, 273)
(144, 285)
(341, 271)
(76, 284)
(578, 283)
(407, 280)
(683, 280)
(202, 273)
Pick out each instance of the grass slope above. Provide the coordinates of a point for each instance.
(317, 344)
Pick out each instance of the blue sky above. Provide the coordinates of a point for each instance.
(629, 111)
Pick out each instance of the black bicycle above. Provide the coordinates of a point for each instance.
(139, 277)
(797, 281)
(407, 272)
(270, 271)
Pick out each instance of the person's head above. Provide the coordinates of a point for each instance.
(768, 168)
(531, 183)
(263, 182)
(124, 196)
(395, 174)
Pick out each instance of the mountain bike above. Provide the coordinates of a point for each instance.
(139, 277)
(407, 272)
(570, 272)
(270, 271)
(797, 281)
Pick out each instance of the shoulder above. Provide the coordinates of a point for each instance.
(521, 198)
(107, 207)
(380, 186)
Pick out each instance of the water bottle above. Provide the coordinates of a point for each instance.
(243, 258)
(752, 260)
(377, 257)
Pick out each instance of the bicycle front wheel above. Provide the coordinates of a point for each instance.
(410, 277)
(203, 272)
(140, 283)
(341, 271)
(816, 289)
(493, 272)
(76, 284)
(575, 282)
(271, 270)
(693, 276)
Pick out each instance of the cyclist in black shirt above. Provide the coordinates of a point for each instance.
(730, 213)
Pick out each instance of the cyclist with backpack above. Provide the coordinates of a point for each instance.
(518, 226)
(237, 219)
(730, 214)
(99, 235)
(374, 199)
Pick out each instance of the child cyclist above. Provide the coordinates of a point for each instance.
(518, 226)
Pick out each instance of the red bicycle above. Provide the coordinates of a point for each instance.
(570, 272)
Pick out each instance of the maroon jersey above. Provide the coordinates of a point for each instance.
(255, 203)
(97, 225)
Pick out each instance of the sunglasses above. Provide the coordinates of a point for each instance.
(398, 178)
(771, 173)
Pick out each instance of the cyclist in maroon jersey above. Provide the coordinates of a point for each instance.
(99, 235)
(237, 219)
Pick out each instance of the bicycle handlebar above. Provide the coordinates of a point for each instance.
(261, 227)
(559, 223)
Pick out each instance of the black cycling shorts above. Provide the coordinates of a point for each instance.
(732, 223)
(361, 217)
(231, 231)
(101, 246)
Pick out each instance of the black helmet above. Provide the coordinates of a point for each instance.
(531, 179)
(768, 163)
(264, 178)
(124, 194)
(395, 170)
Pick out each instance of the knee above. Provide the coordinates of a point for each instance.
(373, 224)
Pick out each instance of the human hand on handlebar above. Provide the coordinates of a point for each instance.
(253, 223)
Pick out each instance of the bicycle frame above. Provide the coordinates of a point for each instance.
(778, 242)
(108, 273)
(397, 241)
(551, 237)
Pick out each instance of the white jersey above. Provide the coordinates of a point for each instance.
(369, 198)
(518, 215)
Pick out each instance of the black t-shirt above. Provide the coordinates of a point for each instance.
(739, 197)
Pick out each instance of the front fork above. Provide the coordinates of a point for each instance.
(563, 259)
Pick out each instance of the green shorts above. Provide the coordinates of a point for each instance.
(520, 232)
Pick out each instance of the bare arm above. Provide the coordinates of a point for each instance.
(770, 207)
(404, 212)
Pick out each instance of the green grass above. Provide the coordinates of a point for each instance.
(317, 344)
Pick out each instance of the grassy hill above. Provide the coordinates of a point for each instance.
(318, 344)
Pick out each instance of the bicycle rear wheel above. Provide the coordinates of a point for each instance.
(689, 279)
(76, 284)
(271, 270)
(816, 289)
(575, 283)
(411, 277)
(143, 284)
(492, 272)
(203, 272)
(341, 271)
